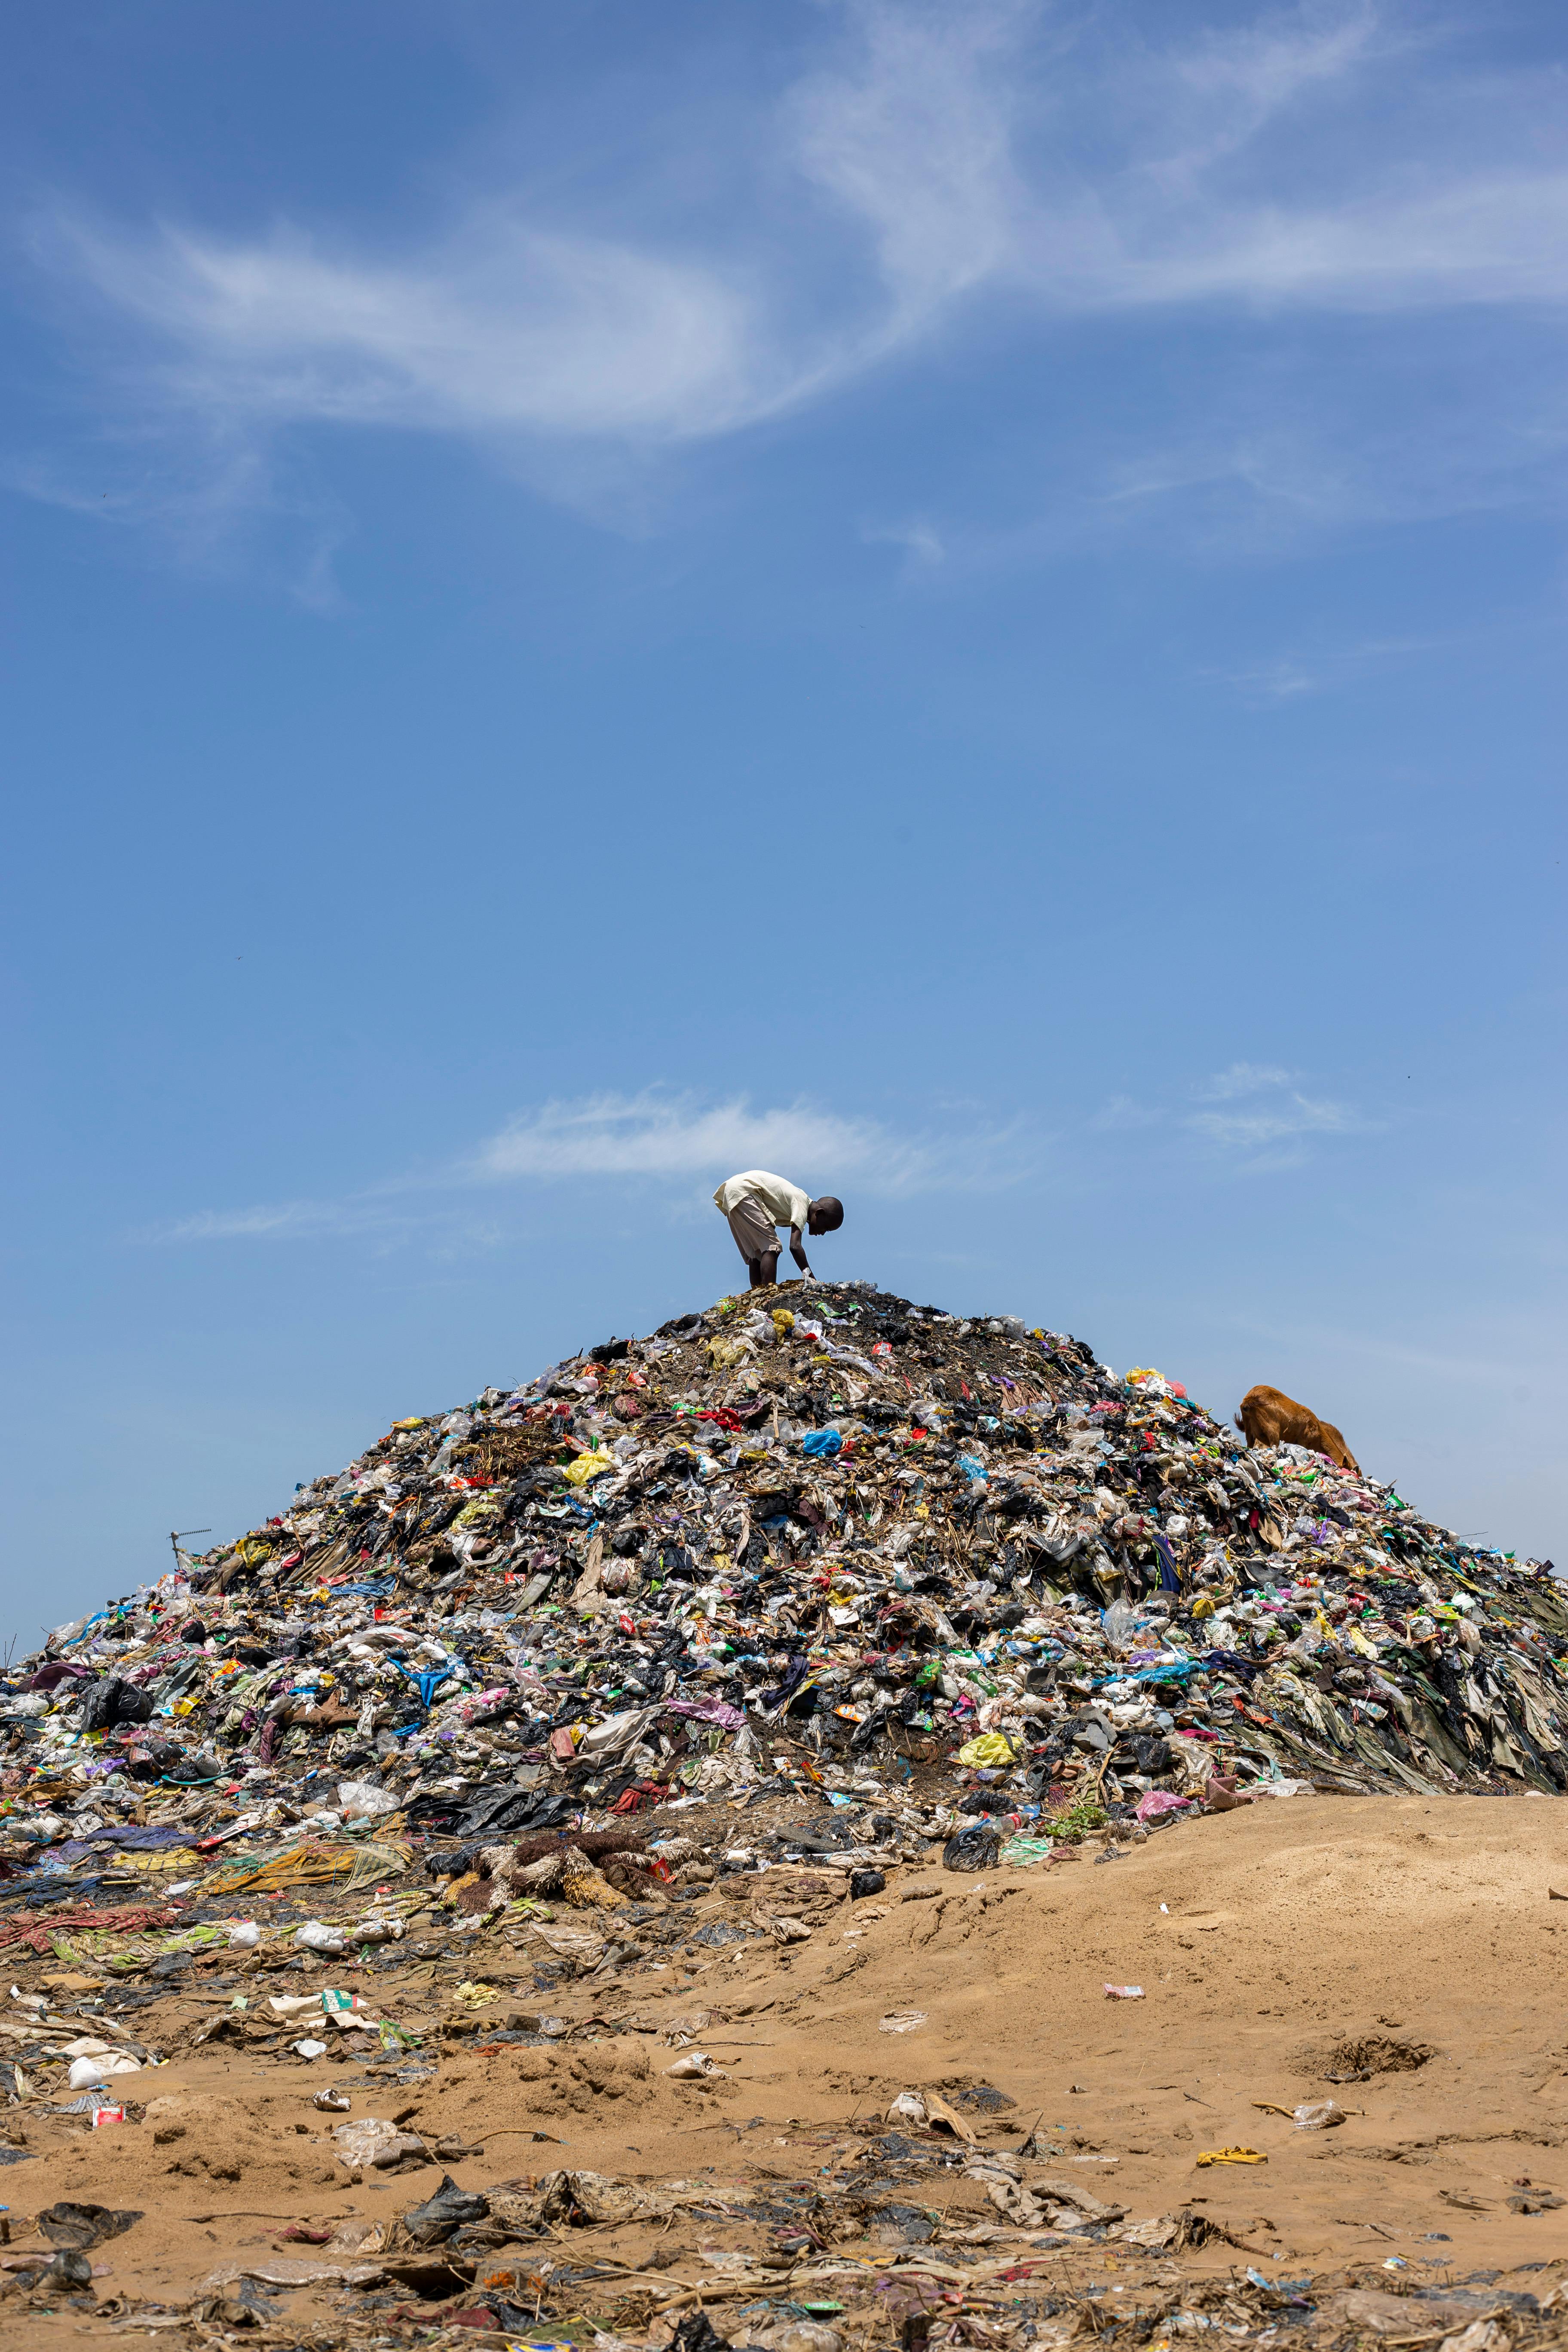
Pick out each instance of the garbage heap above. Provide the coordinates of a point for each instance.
(810, 1539)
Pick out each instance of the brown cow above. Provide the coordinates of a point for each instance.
(1269, 1417)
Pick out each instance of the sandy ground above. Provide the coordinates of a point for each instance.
(1276, 1947)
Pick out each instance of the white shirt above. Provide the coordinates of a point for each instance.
(785, 1204)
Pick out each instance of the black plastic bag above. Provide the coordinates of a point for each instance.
(865, 1881)
(70, 2272)
(972, 1849)
(430, 2223)
(82, 2226)
(485, 1815)
(697, 2333)
(111, 1701)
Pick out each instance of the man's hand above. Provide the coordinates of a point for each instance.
(798, 1254)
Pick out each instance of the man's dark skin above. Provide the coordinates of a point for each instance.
(824, 1216)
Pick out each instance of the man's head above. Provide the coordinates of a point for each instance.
(824, 1217)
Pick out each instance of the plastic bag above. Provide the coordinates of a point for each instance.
(315, 1935)
(82, 2226)
(799, 2336)
(450, 2209)
(373, 2141)
(363, 1801)
(112, 1701)
(592, 1464)
(1155, 1804)
(972, 1849)
(86, 2072)
(378, 1931)
(1120, 1623)
(989, 1748)
(927, 2111)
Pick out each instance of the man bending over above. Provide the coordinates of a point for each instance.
(756, 1204)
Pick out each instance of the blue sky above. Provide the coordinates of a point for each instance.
(965, 604)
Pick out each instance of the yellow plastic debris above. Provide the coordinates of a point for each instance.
(1232, 2156)
(990, 1747)
(475, 1996)
(592, 1464)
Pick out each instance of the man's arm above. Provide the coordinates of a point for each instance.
(796, 1251)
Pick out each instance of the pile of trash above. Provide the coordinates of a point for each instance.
(951, 1578)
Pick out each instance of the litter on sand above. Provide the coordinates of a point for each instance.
(554, 1711)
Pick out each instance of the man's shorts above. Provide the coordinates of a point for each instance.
(755, 1233)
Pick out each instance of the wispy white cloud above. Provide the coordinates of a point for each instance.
(285, 1220)
(1289, 1119)
(1242, 1078)
(922, 543)
(683, 1145)
(933, 156)
(650, 1139)
(1121, 1114)
(671, 1136)
(1266, 1126)
(1271, 1122)
(362, 1215)
(1281, 681)
(1295, 1116)
(511, 330)
(1332, 664)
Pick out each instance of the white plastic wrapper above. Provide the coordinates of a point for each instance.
(362, 1800)
(315, 1935)
(87, 2073)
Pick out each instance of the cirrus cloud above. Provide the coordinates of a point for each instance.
(680, 1141)
(1063, 168)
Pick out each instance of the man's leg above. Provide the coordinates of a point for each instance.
(756, 1240)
